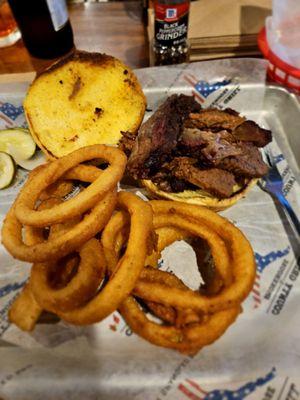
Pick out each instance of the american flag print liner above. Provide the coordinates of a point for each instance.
(139, 370)
(262, 262)
(194, 391)
(9, 113)
(202, 89)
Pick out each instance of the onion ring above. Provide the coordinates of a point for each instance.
(242, 261)
(217, 245)
(38, 295)
(165, 313)
(34, 235)
(166, 236)
(84, 284)
(65, 270)
(65, 243)
(79, 290)
(84, 173)
(62, 245)
(58, 189)
(25, 203)
(128, 268)
(182, 316)
(113, 238)
(187, 339)
(25, 310)
(83, 280)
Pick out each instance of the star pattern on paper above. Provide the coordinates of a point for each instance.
(11, 111)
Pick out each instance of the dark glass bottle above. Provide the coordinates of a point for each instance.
(45, 26)
(145, 5)
(170, 44)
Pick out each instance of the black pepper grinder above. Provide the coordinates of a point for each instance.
(170, 45)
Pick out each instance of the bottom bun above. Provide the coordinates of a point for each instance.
(200, 197)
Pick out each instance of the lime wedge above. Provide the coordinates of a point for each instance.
(20, 139)
(7, 170)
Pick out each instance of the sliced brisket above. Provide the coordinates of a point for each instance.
(249, 164)
(182, 146)
(127, 141)
(215, 119)
(158, 136)
(174, 185)
(234, 151)
(216, 181)
(249, 131)
(168, 183)
(209, 147)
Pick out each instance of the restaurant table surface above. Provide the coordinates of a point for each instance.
(114, 28)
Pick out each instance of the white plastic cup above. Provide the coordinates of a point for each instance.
(283, 31)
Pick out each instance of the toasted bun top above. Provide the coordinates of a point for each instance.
(199, 197)
(83, 99)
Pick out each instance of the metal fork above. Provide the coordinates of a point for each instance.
(272, 183)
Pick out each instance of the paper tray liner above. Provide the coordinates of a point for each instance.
(257, 357)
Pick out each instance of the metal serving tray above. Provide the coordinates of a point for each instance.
(281, 110)
(257, 358)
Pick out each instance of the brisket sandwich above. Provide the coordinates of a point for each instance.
(208, 157)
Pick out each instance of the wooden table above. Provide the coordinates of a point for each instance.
(114, 28)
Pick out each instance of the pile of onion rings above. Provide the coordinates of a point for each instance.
(191, 319)
(98, 251)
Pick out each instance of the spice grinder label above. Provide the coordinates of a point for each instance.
(171, 23)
